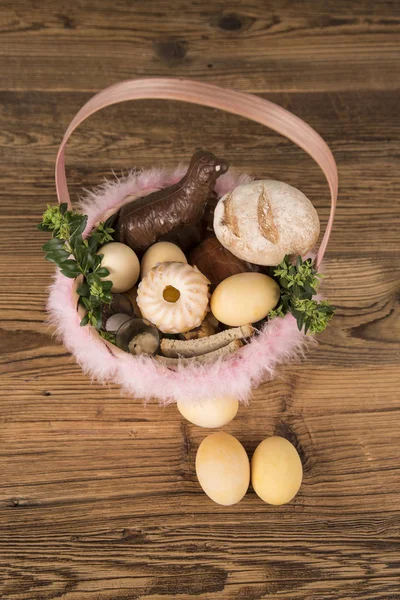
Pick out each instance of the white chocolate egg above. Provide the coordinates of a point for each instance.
(222, 468)
(244, 298)
(161, 252)
(211, 412)
(276, 471)
(123, 265)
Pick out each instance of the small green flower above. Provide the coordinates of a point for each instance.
(104, 233)
(52, 217)
(316, 315)
(299, 283)
(96, 289)
(276, 313)
(106, 335)
(63, 231)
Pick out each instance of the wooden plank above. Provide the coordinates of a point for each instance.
(137, 133)
(253, 46)
(298, 389)
(67, 580)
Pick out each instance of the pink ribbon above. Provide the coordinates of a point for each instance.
(239, 103)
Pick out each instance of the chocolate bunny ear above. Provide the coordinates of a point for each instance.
(221, 167)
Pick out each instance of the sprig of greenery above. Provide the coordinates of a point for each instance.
(107, 335)
(299, 283)
(77, 256)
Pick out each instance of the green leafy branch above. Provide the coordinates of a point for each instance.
(299, 283)
(77, 256)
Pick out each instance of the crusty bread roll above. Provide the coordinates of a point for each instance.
(263, 220)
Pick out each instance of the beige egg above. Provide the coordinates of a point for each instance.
(222, 468)
(123, 265)
(244, 298)
(161, 252)
(211, 412)
(276, 471)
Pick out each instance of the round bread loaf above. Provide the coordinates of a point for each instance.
(262, 221)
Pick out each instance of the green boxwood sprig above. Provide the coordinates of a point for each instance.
(299, 282)
(77, 256)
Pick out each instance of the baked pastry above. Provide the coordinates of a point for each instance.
(208, 327)
(189, 348)
(174, 297)
(203, 359)
(264, 220)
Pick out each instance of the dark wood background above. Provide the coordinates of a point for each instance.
(98, 494)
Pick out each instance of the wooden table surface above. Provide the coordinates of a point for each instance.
(98, 494)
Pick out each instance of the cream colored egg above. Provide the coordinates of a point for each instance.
(244, 298)
(123, 265)
(276, 471)
(161, 252)
(211, 412)
(223, 468)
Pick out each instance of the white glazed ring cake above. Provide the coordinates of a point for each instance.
(174, 297)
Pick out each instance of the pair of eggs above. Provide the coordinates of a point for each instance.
(124, 265)
(223, 469)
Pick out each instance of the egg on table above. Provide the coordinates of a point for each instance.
(123, 265)
(222, 468)
(210, 412)
(276, 471)
(244, 298)
(161, 252)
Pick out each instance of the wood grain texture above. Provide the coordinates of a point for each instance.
(98, 493)
(253, 45)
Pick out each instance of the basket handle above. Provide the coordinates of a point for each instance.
(239, 103)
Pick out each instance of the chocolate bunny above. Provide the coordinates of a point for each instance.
(157, 216)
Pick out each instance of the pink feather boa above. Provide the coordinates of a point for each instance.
(280, 340)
